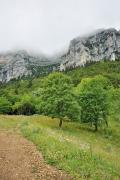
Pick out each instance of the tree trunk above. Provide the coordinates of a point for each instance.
(96, 127)
(106, 123)
(60, 123)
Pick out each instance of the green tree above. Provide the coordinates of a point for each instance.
(114, 96)
(5, 106)
(24, 106)
(57, 98)
(93, 99)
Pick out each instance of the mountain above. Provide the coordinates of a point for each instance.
(21, 63)
(100, 45)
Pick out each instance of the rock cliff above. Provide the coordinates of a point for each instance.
(20, 63)
(101, 45)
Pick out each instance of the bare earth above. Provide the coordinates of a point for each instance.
(20, 160)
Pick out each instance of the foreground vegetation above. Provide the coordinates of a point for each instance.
(87, 144)
(89, 100)
(75, 148)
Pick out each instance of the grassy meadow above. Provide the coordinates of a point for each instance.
(75, 148)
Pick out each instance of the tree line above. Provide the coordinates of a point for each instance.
(88, 102)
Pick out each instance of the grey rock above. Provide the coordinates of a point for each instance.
(98, 46)
(101, 45)
(18, 64)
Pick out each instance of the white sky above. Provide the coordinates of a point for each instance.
(48, 25)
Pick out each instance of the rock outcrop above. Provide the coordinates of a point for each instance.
(20, 63)
(102, 45)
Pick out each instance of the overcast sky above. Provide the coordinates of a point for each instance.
(48, 25)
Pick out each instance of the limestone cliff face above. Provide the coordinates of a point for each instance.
(20, 63)
(102, 45)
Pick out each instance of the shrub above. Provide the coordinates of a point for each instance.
(5, 106)
(25, 108)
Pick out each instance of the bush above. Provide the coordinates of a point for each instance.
(25, 105)
(25, 108)
(5, 106)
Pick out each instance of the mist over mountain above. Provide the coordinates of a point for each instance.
(103, 44)
(97, 46)
(16, 64)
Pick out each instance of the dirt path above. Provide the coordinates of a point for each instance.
(19, 160)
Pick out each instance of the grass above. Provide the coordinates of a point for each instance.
(74, 148)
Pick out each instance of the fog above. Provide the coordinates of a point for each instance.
(47, 26)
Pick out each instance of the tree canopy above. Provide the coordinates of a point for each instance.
(57, 98)
(93, 99)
